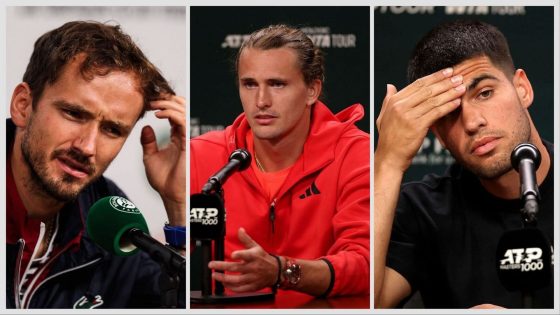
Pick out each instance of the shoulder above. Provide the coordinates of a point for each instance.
(209, 147)
(208, 153)
(353, 148)
(208, 144)
(434, 192)
(213, 137)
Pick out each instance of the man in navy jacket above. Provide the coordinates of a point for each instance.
(85, 87)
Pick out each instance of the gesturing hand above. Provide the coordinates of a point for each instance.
(254, 269)
(166, 167)
(407, 115)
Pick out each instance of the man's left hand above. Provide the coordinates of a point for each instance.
(166, 167)
(254, 269)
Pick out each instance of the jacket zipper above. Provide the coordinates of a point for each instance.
(272, 214)
(58, 274)
(19, 258)
(28, 302)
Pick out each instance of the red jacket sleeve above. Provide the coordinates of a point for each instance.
(350, 255)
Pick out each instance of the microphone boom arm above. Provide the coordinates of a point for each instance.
(526, 159)
(161, 254)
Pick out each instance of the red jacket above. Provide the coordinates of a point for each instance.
(329, 220)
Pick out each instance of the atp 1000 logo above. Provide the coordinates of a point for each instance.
(123, 204)
(204, 216)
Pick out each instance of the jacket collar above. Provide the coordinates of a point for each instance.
(71, 221)
(326, 130)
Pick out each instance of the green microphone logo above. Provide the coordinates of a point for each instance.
(109, 220)
(123, 204)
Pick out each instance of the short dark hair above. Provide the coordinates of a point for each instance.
(310, 58)
(106, 49)
(450, 43)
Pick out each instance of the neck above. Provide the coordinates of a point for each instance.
(38, 204)
(278, 154)
(507, 185)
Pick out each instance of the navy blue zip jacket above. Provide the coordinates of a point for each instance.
(89, 277)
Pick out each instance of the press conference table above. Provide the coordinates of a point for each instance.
(292, 299)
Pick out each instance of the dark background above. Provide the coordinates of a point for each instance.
(529, 31)
(214, 96)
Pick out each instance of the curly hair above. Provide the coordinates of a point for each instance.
(106, 49)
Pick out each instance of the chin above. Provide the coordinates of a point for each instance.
(65, 188)
(491, 170)
(265, 135)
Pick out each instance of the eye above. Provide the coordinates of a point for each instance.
(249, 84)
(485, 94)
(112, 131)
(73, 114)
(277, 84)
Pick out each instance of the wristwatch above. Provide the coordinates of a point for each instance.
(291, 273)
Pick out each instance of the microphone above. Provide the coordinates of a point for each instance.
(116, 224)
(526, 159)
(208, 228)
(239, 159)
(524, 260)
(207, 225)
(207, 217)
(524, 256)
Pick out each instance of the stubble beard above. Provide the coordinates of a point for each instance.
(40, 181)
(501, 162)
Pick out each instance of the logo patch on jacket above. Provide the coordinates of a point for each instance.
(313, 190)
(89, 301)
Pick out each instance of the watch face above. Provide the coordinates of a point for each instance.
(293, 273)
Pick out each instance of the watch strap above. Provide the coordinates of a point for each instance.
(276, 285)
(175, 236)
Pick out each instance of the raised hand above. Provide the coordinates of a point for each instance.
(407, 115)
(166, 167)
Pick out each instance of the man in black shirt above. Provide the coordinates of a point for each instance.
(440, 235)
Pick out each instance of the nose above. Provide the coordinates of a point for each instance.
(86, 140)
(473, 118)
(263, 98)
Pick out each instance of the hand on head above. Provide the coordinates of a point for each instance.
(166, 167)
(407, 115)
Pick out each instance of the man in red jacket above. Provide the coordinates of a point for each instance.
(298, 218)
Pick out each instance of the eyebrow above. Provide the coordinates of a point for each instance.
(74, 107)
(89, 115)
(479, 79)
(269, 80)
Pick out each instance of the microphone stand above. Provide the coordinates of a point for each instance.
(169, 286)
(529, 218)
(206, 296)
(172, 266)
(219, 247)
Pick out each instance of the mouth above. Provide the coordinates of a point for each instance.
(264, 119)
(72, 167)
(484, 145)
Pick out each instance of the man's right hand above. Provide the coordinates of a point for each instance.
(403, 123)
(407, 115)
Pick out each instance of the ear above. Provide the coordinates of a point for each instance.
(21, 106)
(523, 88)
(313, 91)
